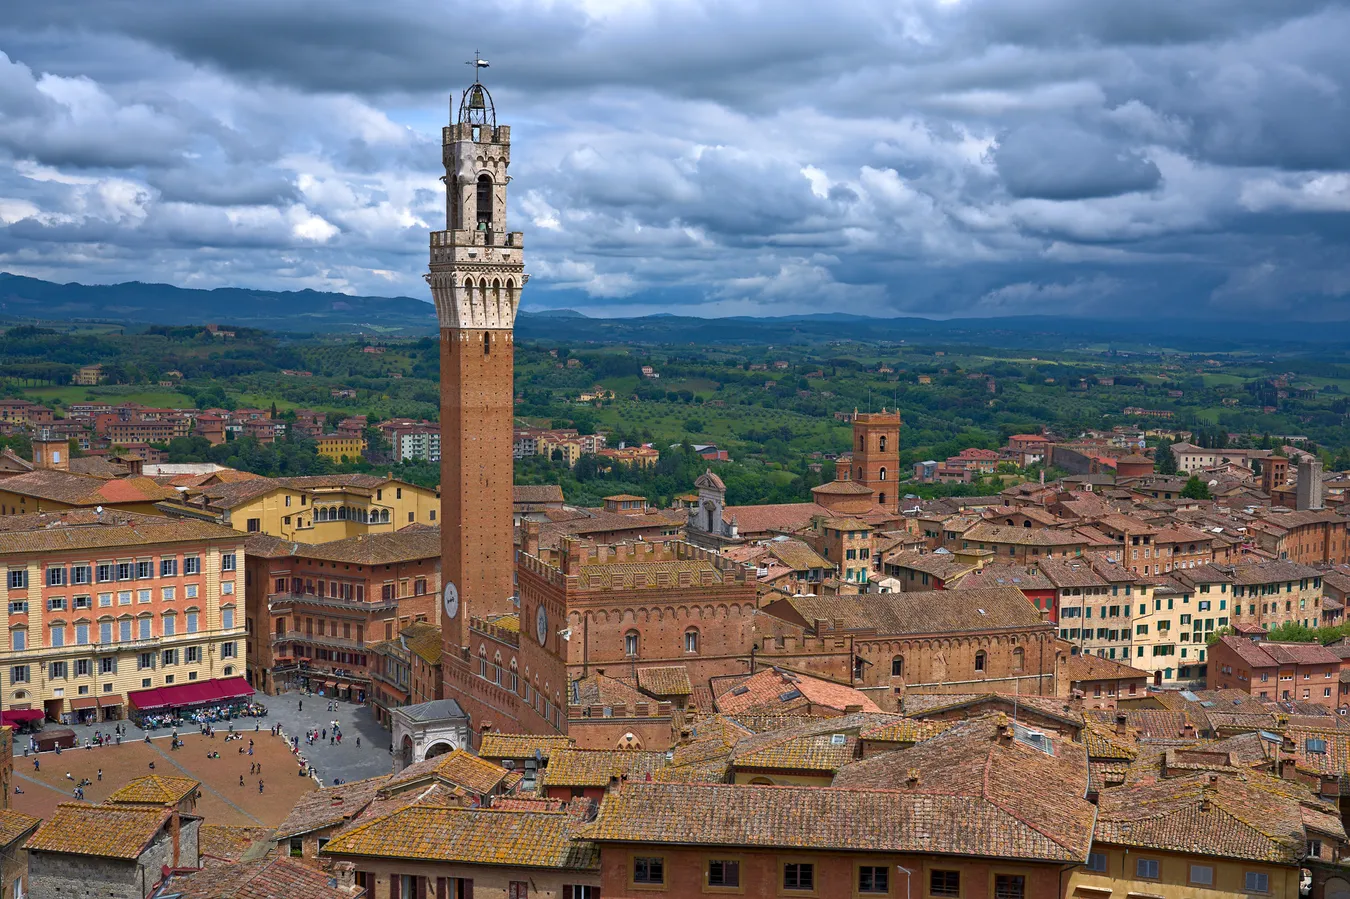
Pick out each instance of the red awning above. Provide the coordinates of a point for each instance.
(145, 700)
(199, 693)
(109, 701)
(19, 716)
(84, 702)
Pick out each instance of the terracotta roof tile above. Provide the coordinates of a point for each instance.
(155, 789)
(839, 819)
(48, 533)
(924, 612)
(478, 775)
(668, 680)
(521, 746)
(14, 825)
(330, 806)
(269, 878)
(1248, 816)
(477, 836)
(595, 767)
(106, 831)
(774, 688)
(1087, 667)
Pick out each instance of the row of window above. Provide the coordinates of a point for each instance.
(725, 873)
(125, 629)
(123, 597)
(1197, 875)
(61, 670)
(111, 572)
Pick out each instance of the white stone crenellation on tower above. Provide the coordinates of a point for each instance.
(477, 266)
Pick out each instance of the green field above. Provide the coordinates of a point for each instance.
(161, 397)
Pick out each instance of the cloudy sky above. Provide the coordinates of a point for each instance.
(931, 157)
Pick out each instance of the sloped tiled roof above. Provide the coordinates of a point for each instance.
(825, 753)
(521, 746)
(595, 767)
(536, 493)
(1243, 817)
(475, 836)
(924, 612)
(105, 831)
(155, 789)
(378, 549)
(826, 818)
(458, 767)
(666, 680)
(1088, 667)
(330, 806)
(47, 533)
(772, 688)
(269, 878)
(993, 775)
(14, 824)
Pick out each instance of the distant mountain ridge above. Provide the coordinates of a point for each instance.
(312, 311)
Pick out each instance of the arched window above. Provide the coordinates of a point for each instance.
(1019, 658)
(898, 666)
(881, 475)
(860, 443)
(482, 662)
(691, 640)
(881, 499)
(860, 474)
(630, 643)
(487, 344)
(497, 668)
(484, 202)
(515, 677)
(881, 443)
(980, 659)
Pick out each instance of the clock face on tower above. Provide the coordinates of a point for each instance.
(451, 601)
(541, 625)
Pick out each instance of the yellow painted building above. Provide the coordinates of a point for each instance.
(316, 509)
(98, 605)
(339, 447)
(53, 490)
(1249, 834)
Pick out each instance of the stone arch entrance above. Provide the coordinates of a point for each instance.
(406, 751)
(436, 749)
(1336, 888)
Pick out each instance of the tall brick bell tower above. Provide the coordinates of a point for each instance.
(477, 272)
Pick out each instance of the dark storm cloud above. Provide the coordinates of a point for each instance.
(1059, 163)
(970, 157)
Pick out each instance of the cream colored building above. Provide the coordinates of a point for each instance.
(317, 509)
(101, 604)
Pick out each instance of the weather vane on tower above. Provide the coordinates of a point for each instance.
(478, 62)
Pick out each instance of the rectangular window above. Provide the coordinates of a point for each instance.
(18, 640)
(1146, 868)
(190, 591)
(107, 665)
(649, 869)
(1202, 875)
(19, 674)
(58, 636)
(580, 891)
(724, 873)
(18, 578)
(227, 650)
(56, 604)
(56, 577)
(192, 622)
(944, 883)
(227, 618)
(192, 565)
(227, 562)
(58, 670)
(105, 631)
(1257, 882)
(799, 876)
(169, 657)
(104, 572)
(124, 630)
(84, 602)
(142, 596)
(1010, 886)
(170, 622)
(82, 669)
(193, 654)
(124, 598)
(1097, 862)
(145, 629)
(145, 569)
(145, 660)
(167, 594)
(168, 567)
(81, 634)
(873, 879)
(254, 525)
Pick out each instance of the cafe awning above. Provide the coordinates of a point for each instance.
(21, 716)
(84, 702)
(200, 693)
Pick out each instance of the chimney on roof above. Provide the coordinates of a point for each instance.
(529, 537)
(1288, 767)
(912, 778)
(852, 708)
(1121, 719)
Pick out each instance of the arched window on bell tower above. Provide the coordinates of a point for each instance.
(484, 202)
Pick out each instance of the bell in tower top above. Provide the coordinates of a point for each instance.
(475, 105)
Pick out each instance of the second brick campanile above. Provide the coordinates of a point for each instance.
(477, 273)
